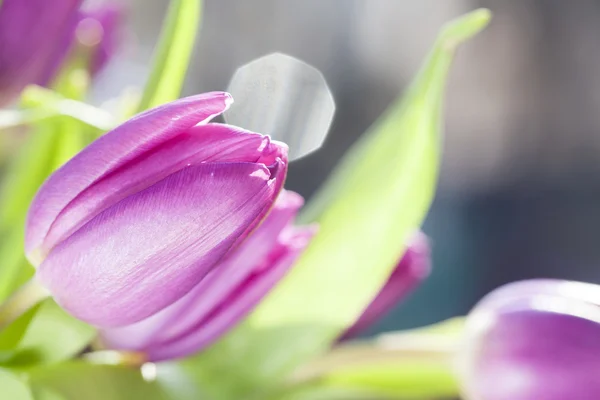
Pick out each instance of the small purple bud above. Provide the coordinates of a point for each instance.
(150, 207)
(412, 269)
(224, 298)
(536, 339)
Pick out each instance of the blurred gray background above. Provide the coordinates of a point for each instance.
(519, 194)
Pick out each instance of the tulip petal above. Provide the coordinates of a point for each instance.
(220, 283)
(111, 152)
(580, 291)
(239, 303)
(204, 143)
(31, 35)
(159, 242)
(533, 340)
(413, 268)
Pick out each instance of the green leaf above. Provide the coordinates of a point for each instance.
(406, 379)
(72, 137)
(52, 336)
(416, 363)
(54, 137)
(14, 268)
(16, 118)
(424, 93)
(378, 195)
(179, 380)
(77, 380)
(26, 173)
(47, 104)
(43, 393)
(13, 388)
(173, 53)
(11, 335)
(323, 391)
(49, 144)
(40, 104)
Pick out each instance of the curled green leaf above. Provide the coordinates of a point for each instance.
(377, 196)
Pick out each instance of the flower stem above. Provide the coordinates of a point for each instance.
(26, 297)
(351, 355)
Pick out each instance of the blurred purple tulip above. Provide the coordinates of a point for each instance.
(99, 29)
(137, 219)
(226, 295)
(536, 339)
(412, 269)
(31, 34)
(37, 36)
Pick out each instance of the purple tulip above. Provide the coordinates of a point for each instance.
(99, 29)
(225, 296)
(535, 339)
(31, 33)
(137, 219)
(412, 269)
(37, 37)
(93, 35)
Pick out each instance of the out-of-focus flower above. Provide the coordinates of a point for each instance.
(137, 219)
(412, 269)
(98, 29)
(536, 339)
(31, 34)
(38, 36)
(226, 295)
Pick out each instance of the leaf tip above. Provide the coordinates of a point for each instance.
(465, 27)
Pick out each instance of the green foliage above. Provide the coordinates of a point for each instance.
(12, 387)
(11, 336)
(78, 380)
(52, 138)
(416, 363)
(52, 336)
(324, 392)
(43, 393)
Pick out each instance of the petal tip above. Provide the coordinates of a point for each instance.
(298, 238)
(228, 100)
(276, 169)
(289, 200)
(282, 146)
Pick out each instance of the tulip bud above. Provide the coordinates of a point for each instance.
(138, 218)
(534, 339)
(32, 33)
(225, 296)
(412, 269)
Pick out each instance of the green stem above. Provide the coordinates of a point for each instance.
(353, 355)
(173, 53)
(30, 294)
